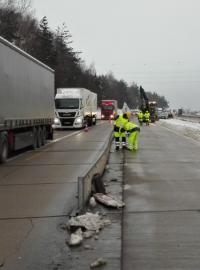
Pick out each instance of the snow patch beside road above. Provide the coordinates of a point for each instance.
(189, 129)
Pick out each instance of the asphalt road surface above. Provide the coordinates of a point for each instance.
(38, 190)
(162, 215)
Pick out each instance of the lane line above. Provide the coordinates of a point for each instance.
(49, 143)
(66, 136)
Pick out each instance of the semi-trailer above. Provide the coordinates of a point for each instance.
(26, 100)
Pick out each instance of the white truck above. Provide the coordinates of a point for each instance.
(75, 108)
(26, 100)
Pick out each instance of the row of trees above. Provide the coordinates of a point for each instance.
(54, 48)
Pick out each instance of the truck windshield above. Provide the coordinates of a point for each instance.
(107, 107)
(67, 103)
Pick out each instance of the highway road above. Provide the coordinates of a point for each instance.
(162, 186)
(38, 190)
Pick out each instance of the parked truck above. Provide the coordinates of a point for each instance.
(26, 100)
(75, 108)
(108, 109)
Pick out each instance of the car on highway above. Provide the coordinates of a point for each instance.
(162, 115)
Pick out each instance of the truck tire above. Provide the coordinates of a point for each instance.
(44, 136)
(39, 137)
(3, 149)
(49, 131)
(34, 144)
(90, 121)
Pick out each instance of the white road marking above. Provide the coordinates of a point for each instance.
(49, 143)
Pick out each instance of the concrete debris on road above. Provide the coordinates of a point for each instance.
(109, 200)
(93, 202)
(76, 238)
(127, 187)
(89, 222)
(85, 226)
(97, 263)
(88, 247)
(88, 234)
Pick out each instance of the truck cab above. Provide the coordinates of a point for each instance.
(75, 108)
(108, 109)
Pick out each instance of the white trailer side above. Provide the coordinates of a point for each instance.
(26, 98)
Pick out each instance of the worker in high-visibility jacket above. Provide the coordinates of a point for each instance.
(140, 117)
(133, 130)
(147, 118)
(119, 130)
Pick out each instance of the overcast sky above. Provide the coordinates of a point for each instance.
(155, 43)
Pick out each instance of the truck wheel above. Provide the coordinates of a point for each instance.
(44, 136)
(49, 131)
(90, 121)
(3, 150)
(34, 144)
(39, 137)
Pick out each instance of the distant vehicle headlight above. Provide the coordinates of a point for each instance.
(56, 121)
(79, 120)
(102, 116)
(112, 116)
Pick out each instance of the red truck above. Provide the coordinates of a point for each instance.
(108, 109)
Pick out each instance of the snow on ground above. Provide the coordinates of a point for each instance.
(189, 129)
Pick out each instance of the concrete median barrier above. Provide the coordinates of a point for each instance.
(85, 181)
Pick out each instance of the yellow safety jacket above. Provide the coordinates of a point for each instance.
(119, 126)
(147, 116)
(140, 116)
(131, 127)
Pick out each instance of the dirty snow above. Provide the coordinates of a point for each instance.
(187, 128)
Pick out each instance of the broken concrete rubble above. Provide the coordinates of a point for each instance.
(109, 200)
(97, 263)
(85, 226)
(89, 221)
(93, 202)
(76, 238)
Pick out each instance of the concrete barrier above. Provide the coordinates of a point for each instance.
(85, 181)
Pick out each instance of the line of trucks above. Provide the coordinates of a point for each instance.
(28, 108)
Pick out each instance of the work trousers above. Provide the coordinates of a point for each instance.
(140, 120)
(133, 141)
(120, 139)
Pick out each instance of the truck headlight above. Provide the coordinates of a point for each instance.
(56, 121)
(102, 116)
(79, 120)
